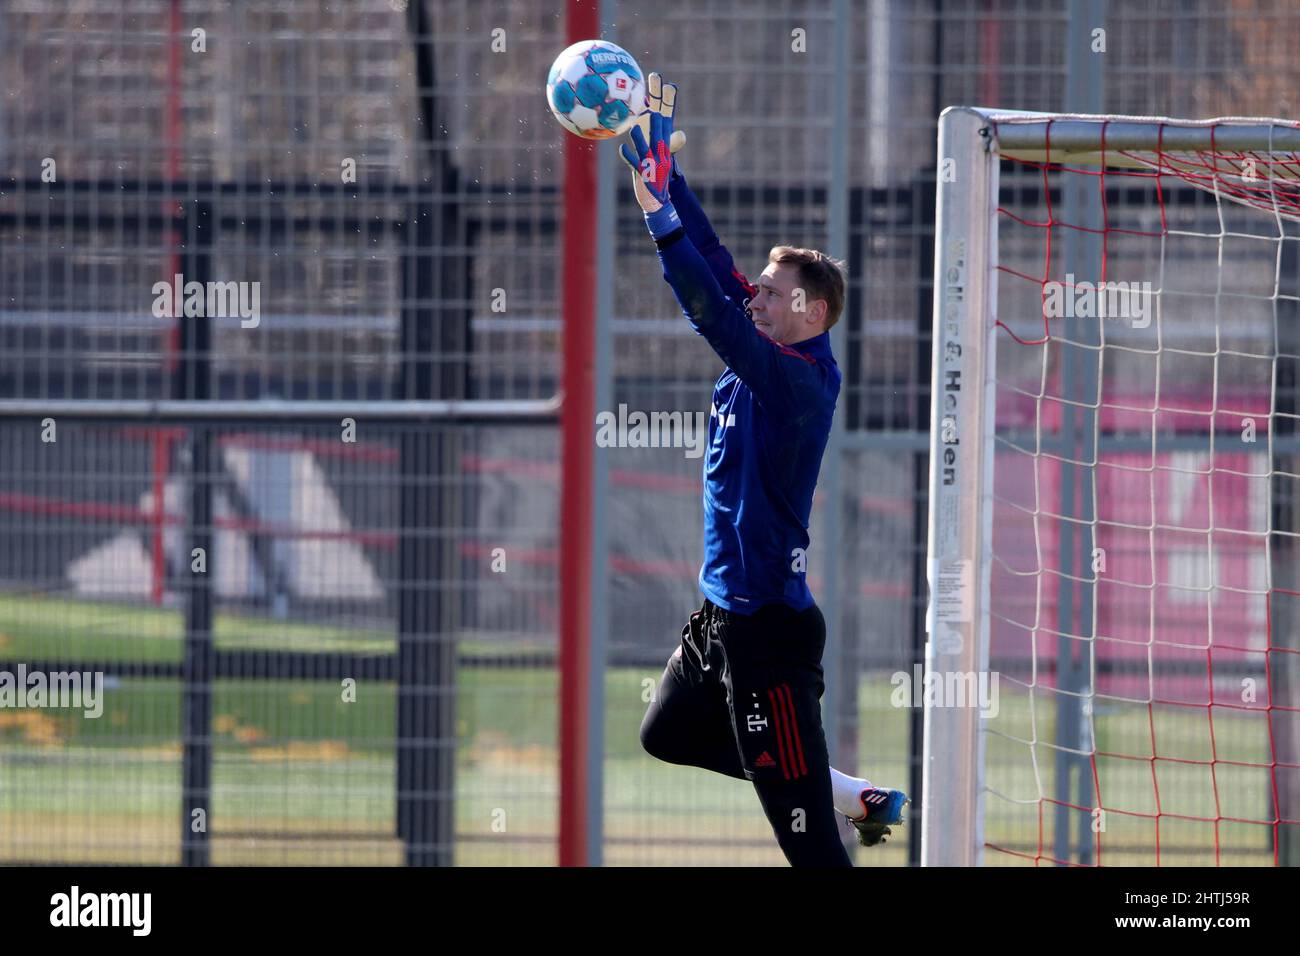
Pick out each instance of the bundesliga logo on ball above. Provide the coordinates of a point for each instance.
(595, 89)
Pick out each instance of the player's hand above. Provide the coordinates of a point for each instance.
(653, 141)
(654, 104)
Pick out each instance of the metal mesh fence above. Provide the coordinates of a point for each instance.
(388, 176)
(304, 585)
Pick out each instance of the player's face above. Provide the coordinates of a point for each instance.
(780, 310)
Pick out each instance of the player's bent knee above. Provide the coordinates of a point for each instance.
(653, 740)
(660, 741)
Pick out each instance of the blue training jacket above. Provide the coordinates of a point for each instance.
(769, 423)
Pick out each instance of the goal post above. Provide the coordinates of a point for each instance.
(960, 453)
(1111, 667)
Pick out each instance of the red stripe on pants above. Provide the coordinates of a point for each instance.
(780, 733)
(797, 747)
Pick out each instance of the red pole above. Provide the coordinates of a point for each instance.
(161, 438)
(577, 420)
(990, 59)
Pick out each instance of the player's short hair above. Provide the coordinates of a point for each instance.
(820, 276)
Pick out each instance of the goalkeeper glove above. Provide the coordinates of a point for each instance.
(652, 162)
(654, 99)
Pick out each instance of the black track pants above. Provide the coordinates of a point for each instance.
(741, 696)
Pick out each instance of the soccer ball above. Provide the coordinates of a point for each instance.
(595, 89)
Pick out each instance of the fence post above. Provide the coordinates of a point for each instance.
(193, 381)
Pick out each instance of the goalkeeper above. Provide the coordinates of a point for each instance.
(741, 693)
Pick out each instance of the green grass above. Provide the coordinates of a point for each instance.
(33, 626)
(301, 776)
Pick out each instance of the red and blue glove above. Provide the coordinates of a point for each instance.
(650, 156)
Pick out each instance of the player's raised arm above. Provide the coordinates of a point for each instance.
(776, 375)
(773, 372)
(662, 98)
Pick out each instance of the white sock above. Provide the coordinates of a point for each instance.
(846, 793)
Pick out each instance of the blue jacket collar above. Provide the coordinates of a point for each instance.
(819, 346)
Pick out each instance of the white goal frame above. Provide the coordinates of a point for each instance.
(962, 423)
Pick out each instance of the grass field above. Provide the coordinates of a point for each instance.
(301, 777)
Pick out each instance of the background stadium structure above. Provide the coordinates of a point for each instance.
(446, 273)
